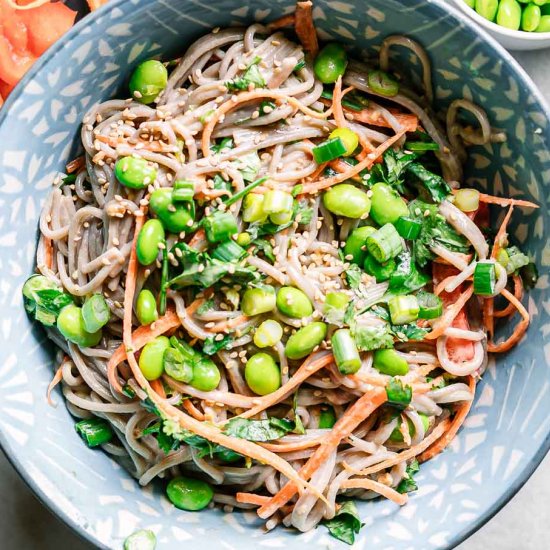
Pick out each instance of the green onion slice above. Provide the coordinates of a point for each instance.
(346, 354)
(94, 431)
(408, 228)
(385, 243)
(229, 251)
(184, 191)
(430, 305)
(403, 309)
(95, 313)
(220, 226)
(382, 83)
(328, 150)
(484, 279)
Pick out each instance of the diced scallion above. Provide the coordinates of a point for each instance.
(328, 150)
(430, 305)
(229, 251)
(484, 278)
(95, 313)
(408, 228)
(94, 431)
(403, 309)
(385, 243)
(184, 191)
(220, 226)
(345, 352)
(516, 259)
(467, 200)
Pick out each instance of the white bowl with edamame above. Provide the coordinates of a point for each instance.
(510, 39)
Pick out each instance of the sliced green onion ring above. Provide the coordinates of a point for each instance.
(328, 150)
(484, 278)
(430, 305)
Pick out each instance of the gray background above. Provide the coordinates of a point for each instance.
(523, 525)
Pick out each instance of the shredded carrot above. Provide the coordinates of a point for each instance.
(55, 380)
(502, 201)
(197, 238)
(75, 165)
(380, 488)
(314, 187)
(188, 405)
(305, 29)
(337, 96)
(518, 293)
(501, 236)
(282, 22)
(307, 369)
(461, 413)
(48, 252)
(226, 326)
(251, 498)
(341, 166)
(518, 332)
(449, 315)
(244, 97)
(158, 387)
(345, 425)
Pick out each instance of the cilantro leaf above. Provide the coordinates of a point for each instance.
(252, 75)
(266, 248)
(399, 396)
(392, 170)
(346, 523)
(353, 276)
(259, 430)
(369, 337)
(225, 143)
(408, 484)
(436, 186)
(212, 346)
(406, 278)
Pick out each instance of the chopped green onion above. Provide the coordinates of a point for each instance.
(327, 417)
(258, 300)
(243, 239)
(94, 431)
(345, 352)
(229, 251)
(382, 83)
(281, 218)
(467, 200)
(276, 201)
(253, 208)
(403, 309)
(349, 138)
(299, 66)
(420, 146)
(244, 192)
(296, 190)
(184, 191)
(348, 101)
(95, 313)
(268, 334)
(516, 259)
(328, 150)
(385, 243)
(484, 278)
(220, 226)
(381, 272)
(408, 228)
(430, 305)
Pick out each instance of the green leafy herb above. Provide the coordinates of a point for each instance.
(67, 180)
(212, 346)
(392, 170)
(266, 107)
(298, 424)
(149, 406)
(265, 248)
(404, 333)
(369, 337)
(259, 430)
(206, 306)
(353, 276)
(220, 184)
(406, 278)
(301, 211)
(225, 143)
(43, 300)
(300, 65)
(252, 75)
(346, 523)
(249, 165)
(408, 484)
(399, 396)
(354, 100)
(128, 391)
(436, 186)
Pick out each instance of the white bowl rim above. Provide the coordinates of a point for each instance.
(461, 15)
(498, 29)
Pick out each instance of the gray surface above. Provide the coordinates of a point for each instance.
(26, 525)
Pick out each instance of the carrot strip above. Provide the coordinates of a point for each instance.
(308, 368)
(314, 187)
(502, 201)
(158, 387)
(449, 315)
(251, 498)
(518, 293)
(519, 331)
(226, 326)
(462, 412)
(377, 487)
(197, 238)
(188, 405)
(284, 21)
(501, 236)
(305, 29)
(342, 166)
(244, 97)
(55, 380)
(355, 414)
(48, 252)
(75, 165)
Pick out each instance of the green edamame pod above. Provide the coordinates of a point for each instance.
(356, 244)
(509, 14)
(348, 201)
(70, 324)
(148, 80)
(146, 307)
(262, 374)
(151, 358)
(386, 204)
(292, 302)
(330, 63)
(305, 340)
(189, 494)
(175, 217)
(135, 173)
(150, 237)
(487, 8)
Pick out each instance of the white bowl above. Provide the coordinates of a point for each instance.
(511, 40)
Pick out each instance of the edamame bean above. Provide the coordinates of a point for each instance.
(530, 19)
(206, 375)
(305, 340)
(292, 302)
(348, 201)
(349, 138)
(151, 357)
(487, 8)
(174, 217)
(470, 3)
(356, 245)
(175, 365)
(189, 494)
(387, 205)
(141, 540)
(135, 173)
(150, 237)
(70, 324)
(397, 437)
(262, 374)
(544, 25)
(327, 417)
(258, 300)
(389, 362)
(509, 14)
(330, 63)
(148, 80)
(146, 307)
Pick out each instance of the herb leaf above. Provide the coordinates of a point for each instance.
(369, 337)
(259, 430)
(353, 276)
(436, 186)
(399, 396)
(264, 247)
(212, 346)
(252, 75)
(346, 523)
(225, 143)
(408, 484)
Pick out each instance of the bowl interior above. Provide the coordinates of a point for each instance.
(507, 432)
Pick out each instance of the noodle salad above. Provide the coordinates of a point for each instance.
(265, 283)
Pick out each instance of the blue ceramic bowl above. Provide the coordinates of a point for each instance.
(508, 430)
